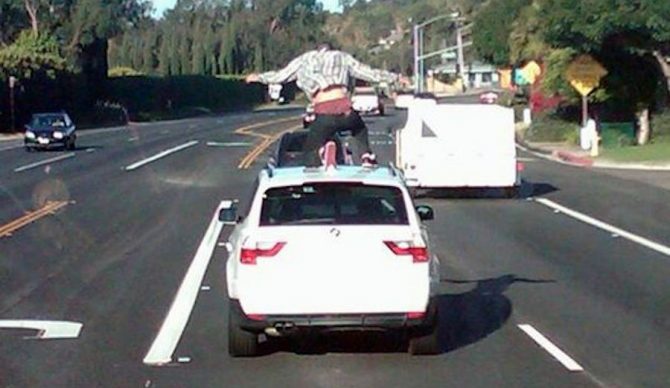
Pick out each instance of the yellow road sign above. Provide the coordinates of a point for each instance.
(584, 74)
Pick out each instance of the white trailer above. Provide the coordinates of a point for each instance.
(458, 146)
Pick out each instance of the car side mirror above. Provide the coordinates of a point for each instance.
(425, 212)
(228, 213)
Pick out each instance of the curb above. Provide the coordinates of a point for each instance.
(568, 158)
(577, 160)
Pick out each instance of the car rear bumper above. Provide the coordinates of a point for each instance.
(326, 322)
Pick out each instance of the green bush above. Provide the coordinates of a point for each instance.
(552, 129)
(661, 127)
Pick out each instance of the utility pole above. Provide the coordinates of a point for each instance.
(416, 58)
(461, 59)
(12, 84)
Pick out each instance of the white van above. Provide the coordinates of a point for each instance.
(458, 146)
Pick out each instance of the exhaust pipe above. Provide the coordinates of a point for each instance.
(280, 329)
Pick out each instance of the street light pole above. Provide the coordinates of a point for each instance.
(421, 62)
(12, 83)
(418, 48)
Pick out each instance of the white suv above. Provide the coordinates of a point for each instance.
(335, 249)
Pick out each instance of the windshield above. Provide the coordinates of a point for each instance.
(48, 121)
(333, 203)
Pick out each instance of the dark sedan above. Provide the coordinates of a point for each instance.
(50, 129)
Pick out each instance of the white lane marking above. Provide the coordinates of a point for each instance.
(552, 349)
(163, 154)
(175, 322)
(46, 329)
(11, 147)
(132, 139)
(43, 162)
(229, 144)
(604, 226)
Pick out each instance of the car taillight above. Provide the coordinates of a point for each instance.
(249, 255)
(520, 166)
(404, 248)
(416, 315)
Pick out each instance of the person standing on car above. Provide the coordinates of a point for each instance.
(323, 74)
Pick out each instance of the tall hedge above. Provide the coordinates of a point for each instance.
(143, 95)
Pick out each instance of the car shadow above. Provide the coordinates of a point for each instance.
(469, 317)
(526, 190)
(77, 148)
(464, 318)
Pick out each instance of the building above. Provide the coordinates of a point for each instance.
(479, 75)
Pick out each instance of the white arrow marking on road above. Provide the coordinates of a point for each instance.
(229, 144)
(660, 248)
(554, 350)
(46, 329)
(43, 162)
(175, 322)
(163, 154)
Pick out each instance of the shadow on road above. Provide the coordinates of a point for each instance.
(472, 316)
(526, 190)
(464, 319)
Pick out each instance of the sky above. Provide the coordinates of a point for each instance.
(162, 5)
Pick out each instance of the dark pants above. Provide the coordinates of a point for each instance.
(325, 127)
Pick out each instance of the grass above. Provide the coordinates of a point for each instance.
(657, 151)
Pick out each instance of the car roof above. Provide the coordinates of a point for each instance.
(49, 114)
(286, 176)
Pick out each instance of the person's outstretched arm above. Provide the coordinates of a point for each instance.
(286, 74)
(366, 73)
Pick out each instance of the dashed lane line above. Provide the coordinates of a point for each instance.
(552, 349)
(43, 162)
(229, 144)
(160, 155)
(660, 248)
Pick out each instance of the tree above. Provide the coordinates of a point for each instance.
(624, 35)
(492, 28)
(31, 55)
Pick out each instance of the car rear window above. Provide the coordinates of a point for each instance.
(333, 204)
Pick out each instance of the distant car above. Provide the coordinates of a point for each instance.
(50, 129)
(367, 101)
(403, 100)
(309, 116)
(488, 98)
(291, 147)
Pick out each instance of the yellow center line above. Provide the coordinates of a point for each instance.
(260, 148)
(266, 140)
(49, 208)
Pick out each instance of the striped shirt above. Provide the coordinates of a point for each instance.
(318, 69)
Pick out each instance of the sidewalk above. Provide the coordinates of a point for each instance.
(10, 136)
(575, 156)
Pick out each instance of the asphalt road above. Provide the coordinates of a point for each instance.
(115, 255)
